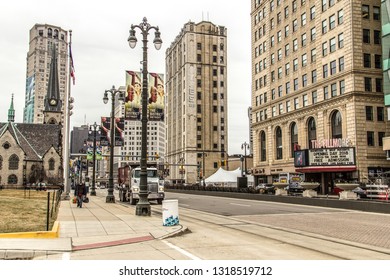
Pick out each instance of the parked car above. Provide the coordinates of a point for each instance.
(361, 193)
(266, 188)
(294, 189)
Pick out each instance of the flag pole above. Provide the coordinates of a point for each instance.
(67, 127)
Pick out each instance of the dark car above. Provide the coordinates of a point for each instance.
(266, 188)
(294, 189)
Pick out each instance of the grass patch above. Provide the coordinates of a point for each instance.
(23, 211)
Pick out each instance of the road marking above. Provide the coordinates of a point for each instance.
(184, 252)
(184, 204)
(237, 204)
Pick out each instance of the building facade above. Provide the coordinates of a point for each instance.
(317, 91)
(196, 102)
(42, 38)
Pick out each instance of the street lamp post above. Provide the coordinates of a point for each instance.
(245, 146)
(143, 206)
(95, 129)
(110, 195)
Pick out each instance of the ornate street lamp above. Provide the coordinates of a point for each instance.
(110, 195)
(143, 206)
(245, 146)
(94, 130)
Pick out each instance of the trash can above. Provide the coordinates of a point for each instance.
(170, 212)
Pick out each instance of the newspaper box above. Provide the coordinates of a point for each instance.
(170, 212)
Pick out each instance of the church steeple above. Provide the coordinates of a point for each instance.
(53, 103)
(11, 111)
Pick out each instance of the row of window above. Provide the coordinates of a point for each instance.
(336, 132)
(13, 163)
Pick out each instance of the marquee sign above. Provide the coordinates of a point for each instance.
(331, 157)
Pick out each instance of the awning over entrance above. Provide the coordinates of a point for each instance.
(317, 169)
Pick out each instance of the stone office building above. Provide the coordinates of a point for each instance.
(317, 94)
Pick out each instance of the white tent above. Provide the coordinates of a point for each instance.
(226, 178)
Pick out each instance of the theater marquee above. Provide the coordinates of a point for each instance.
(331, 157)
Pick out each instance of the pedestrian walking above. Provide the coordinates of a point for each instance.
(80, 193)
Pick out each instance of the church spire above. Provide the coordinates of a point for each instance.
(11, 111)
(52, 100)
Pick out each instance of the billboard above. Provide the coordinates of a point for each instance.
(105, 138)
(133, 95)
(155, 99)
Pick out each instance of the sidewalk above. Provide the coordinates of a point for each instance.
(96, 225)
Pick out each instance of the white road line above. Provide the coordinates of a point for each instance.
(180, 204)
(184, 252)
(245, 205)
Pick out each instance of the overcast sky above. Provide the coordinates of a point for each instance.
(101, 53)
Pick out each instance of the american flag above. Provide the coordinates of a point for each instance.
(71, 65)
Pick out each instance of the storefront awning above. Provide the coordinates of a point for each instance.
(318, 169)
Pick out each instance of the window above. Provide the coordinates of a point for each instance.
(340, 16)
(333, 67)
(331, 2)
(280, 72)
(365, 11)
(279, 34)
(333, 90)
(296, 103)
(378, 85)
(295, 64)
(279, 143)
(296, 84)
(12, 179)
(51, 164)
(314, 97)
(326, 93)
(341, 40)
(369, 113)
(304, 60)
(380, 114)
(287, 87)
(378, 61)
(294, 137)
(332, 45)
(325, 71)
(279, 18)
(295, 25)
(280, 91)
(288, 106)
(312, 12)
(273, 111)
(199, 46)
(279, 54)
(287, 68)
(324, 26)
(377, 37)
(295, 45)
(305, 100)
(367, 60)
(313, 76)
(341, 63)
(263, 150)
(370, 138)
(286, 49)
(313, 55)
(313, 34)
(280, 108)
(324, 5)
(336, 121)
(366, 36)
(303, 39)
(332, 22)
(286, 12)
(324, 49)
(311, 131)
(13, 162)
(342, 87)
(303, 19)
(376, 13)
(367, 84)
(294, 5)
(304, 80)
(286, 30)
(272, 41)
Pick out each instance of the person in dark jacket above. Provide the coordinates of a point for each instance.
(80, 192)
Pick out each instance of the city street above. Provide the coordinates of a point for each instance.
(226, 228)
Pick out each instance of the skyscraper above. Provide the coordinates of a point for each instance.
(317, 91)
(196, 102)
(42, 38)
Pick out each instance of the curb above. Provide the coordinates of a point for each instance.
(54, 233)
